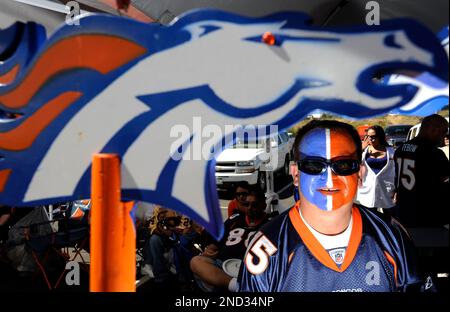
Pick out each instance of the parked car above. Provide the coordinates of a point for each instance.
(396, 134)
(248, 160)
(413, 132)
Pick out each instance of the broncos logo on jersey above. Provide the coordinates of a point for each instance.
(117, 85)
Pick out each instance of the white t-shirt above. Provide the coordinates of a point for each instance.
(336, 245)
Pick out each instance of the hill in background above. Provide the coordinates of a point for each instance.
(383, 121)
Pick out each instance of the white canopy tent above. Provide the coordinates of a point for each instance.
(433, 13)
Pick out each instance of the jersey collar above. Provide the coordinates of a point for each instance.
(316, 248)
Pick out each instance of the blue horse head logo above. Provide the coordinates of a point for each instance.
(121, 86)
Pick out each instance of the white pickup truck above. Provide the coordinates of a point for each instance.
(248, 161)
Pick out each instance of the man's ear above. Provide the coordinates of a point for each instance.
(293, 169)
(294, 172)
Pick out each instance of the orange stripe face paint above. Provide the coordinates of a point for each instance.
(328, 191)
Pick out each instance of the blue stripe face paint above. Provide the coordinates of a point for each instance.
(314, 143)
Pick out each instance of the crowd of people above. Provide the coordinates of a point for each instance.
(179, 251)
(353, 227)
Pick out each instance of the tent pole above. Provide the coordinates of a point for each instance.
(113, 238)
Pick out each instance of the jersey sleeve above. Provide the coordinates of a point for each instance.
(266, 261)
(255, 272)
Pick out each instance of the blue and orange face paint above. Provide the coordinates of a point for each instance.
(327, 191)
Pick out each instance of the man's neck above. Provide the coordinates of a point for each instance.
(326, 222)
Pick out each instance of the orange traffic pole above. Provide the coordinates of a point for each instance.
(113, 237)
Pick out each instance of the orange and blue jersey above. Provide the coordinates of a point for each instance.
(286, 257)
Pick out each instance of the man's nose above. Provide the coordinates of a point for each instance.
(330, 176)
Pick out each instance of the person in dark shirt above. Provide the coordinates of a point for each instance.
(422, 193)
(422, 176)
(239, 230)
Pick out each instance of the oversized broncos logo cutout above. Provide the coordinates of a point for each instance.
(433, 93)
(116, 85)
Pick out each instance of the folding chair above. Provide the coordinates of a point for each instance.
(80, 238)
(64, 239)
(60, 244)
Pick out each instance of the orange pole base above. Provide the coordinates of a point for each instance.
(113, 236)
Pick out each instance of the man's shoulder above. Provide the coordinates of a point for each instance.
(419, 148)
(236, 219)
(432, 154)
(275, 220)
(386, 228)
(235, 216)
(272, 228)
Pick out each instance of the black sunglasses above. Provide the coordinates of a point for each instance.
(316, 166)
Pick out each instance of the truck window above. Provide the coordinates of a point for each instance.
(284, 136)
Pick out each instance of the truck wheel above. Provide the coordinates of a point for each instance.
(286, 169)
(262, 180)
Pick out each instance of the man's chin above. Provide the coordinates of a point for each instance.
(337, 205)
(341, 206)
(334, 207)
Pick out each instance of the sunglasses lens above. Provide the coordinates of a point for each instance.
(342, 167)
(313, 167)
(242, 194)
(345, 167)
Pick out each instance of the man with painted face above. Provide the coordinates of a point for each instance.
(325, 242)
